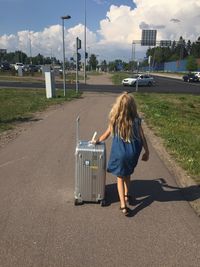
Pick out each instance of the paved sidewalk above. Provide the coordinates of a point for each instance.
(40, 226)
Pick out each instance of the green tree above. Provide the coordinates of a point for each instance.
(159, 54)
(116, 65)
(180, 49)
(111, 66)
(191, 64)
(39, 59)
(104, 65)
(18, 56)
(188, 47)
(195, 48)
(93, 62)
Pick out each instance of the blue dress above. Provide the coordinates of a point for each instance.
(124, 155)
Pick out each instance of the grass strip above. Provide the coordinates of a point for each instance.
(119, 76)
(18, 105)
(175, 118)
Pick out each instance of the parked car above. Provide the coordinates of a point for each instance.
(5, 66)
(31, 68)
(17, 65)
(142, 79)
(190, 77)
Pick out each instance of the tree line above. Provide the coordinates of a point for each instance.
(19, 56)
(177, 51)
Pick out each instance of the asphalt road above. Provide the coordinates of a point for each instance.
(41, 227)
(163, 85)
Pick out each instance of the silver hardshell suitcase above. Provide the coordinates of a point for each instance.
(90, 171)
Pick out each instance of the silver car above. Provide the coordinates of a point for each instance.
(141, 79)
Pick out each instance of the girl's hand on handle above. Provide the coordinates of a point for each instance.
(102, 138)
(145, 156)
(94, 142)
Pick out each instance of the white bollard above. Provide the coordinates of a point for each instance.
(50, 84)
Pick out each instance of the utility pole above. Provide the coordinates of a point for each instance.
(78, 46)
(63, 37)
(133, 55)
(30, 48)
(85, 46)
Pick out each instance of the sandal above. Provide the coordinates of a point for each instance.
(125, 210)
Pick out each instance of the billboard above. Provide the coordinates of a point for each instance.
(148, 37)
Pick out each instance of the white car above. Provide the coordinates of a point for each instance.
(197, 74)
(142, 79)
(17, 65)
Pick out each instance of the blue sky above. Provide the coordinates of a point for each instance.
(17, 15)
(112, 25)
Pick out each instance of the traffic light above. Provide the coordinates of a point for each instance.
(78, 43)
(79, 56)
(78, 60)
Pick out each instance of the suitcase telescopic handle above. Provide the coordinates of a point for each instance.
(77, 129)
(94, 136)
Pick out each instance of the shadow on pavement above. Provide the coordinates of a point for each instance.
(145, 192)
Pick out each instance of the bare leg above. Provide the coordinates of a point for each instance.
(120, 188)
(126, 186)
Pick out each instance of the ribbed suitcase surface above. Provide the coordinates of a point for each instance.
(90, 172)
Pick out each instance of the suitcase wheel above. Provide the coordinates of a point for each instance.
(77, 202)
(103, 203)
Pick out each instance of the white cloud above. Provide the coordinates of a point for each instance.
(47, 42)
(116, 32)
(160, 12)
(116, 28)
(122, 24)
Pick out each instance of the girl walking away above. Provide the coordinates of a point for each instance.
(127, 142)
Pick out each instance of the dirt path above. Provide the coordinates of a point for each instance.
(102, 78)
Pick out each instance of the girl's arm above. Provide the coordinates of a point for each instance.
(104, 136)
(145, 156)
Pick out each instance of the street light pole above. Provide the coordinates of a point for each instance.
(133, 55)
(63, 37)
(30, 48)
(85, 46)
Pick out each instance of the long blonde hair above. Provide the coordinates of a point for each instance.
(122, 115)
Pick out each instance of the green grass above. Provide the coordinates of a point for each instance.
(36, 77)
(13, 76)
(119, 76)
(19, 105)
(20, 79)
(175, 118)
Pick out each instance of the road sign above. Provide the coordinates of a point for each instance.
(165, 43)
(148, 37)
